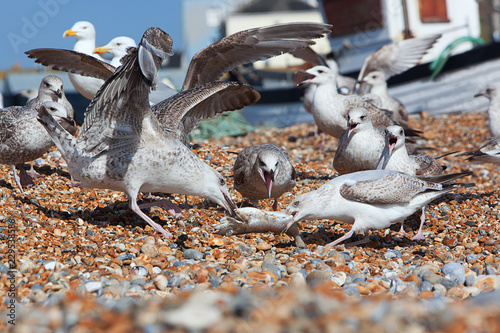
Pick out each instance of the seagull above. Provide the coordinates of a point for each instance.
(117, 47)
(84, 32)
(395, 58)
(487, 153)
(262, 172)
(372, 199)
(395, 157)
(51, 89)
(377, 81)
(123, 146)
(330, 109)
(23, 139)
(206, 66)
(493, 94)
(360, 146)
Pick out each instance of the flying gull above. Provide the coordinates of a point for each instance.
(84, 32)
(23, 139)
(373, 199)
(122, 145)
(262, 172)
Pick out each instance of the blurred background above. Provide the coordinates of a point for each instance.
(470, 29)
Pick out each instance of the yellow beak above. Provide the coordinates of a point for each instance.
(68, 33)
(101, 49)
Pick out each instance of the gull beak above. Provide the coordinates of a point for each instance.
(269, 180)
(295, 219)
(480, 94)
(69, 121)
(68, 33)
(307, 77)
(58, 93)
(352, 127)
(230, 206)
(101, 49)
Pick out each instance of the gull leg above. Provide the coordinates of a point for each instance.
(158, 228)
(419, 235)
(173, 209)
(32, 173)
(275, 204)
(402, 230)
(24, 178)
(16, 178)
(341, 239)
(73, 182)
(365, 239)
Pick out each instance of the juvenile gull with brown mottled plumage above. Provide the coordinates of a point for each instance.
(373, 199)
(262, 172)
(123, 146)
(23, 139)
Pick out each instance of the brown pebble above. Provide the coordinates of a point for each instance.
(263, 246)
(426, 294)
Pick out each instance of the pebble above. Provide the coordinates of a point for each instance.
(192, 254)
(454, 272)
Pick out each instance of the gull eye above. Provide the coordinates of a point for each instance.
(362, 117)
(401, 132)
(118, 44)
(296, 203)
(321, 71)
(222, 182)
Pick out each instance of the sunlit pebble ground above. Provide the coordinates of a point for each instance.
(55, 221)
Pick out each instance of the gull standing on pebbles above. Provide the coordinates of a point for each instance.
(373, 199)
(360, 146)
(51, 89)
(262, 172)
(123, 146)
(23, 139)
(493, 94)
(84, 32)
(395, 157)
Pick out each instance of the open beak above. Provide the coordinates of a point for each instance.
(269, 180)
(68, 33)
(352, 127)
(101, 49)
(304, 77)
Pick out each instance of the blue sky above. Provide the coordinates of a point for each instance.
(33, 24)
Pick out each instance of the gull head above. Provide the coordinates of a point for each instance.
(51, 85)
(319, 75)
(394, 137)
(57, 111)
(117, 47)
(374, 78)
(268, 166)
(357, 118)
(81, 30)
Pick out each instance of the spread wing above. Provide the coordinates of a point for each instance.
(392, 188)
(248, 46)
(114, 117)
(72, 62)
(395, 58)
(182, 112)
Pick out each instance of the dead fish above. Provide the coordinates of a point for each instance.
(255, 220)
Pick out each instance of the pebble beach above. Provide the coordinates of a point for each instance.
(84, 262)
